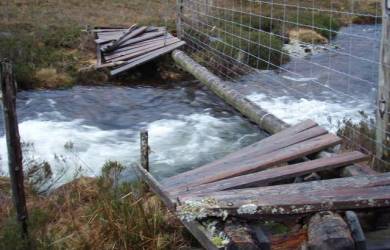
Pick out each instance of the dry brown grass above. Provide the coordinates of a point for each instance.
(87, 12)
(91, 213)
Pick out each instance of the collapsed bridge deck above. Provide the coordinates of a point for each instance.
(264, 181)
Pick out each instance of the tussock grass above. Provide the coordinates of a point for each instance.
(96, 213)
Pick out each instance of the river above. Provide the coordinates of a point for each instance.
(329, 86)
(77, 130)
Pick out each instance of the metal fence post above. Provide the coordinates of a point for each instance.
(15, 162)
(382, 114)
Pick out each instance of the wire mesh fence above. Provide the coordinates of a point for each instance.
(299, 59)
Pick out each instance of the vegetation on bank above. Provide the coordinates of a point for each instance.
(362, 136)
(46, 41)
(254, 33)
(50, 48)
(93, 213)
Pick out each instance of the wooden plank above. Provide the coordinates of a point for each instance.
(269, 176)
(137, 45)
(142, 38)
(144, 50)
(147, 57)
(297, 188)
(204, 175)
(197, 230)
(256, 148)
(134, 52)
(336, 194)
(116, 44)
(142, 43)
(281, 139)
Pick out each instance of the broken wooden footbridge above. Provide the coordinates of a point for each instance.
(294, 178)
(270, 180)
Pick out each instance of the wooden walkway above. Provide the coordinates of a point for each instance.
(258, 182)
(123, 49)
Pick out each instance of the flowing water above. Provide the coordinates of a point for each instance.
(79, 129)
(328, 86)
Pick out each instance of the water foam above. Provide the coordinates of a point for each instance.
(326, 113)
(177, 144)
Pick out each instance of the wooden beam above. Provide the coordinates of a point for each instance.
(383, 100)
(356, 230)
(307, 197)
(328, 230)
(155, 186)
(240, 236)
(269, 176)
(197, 230)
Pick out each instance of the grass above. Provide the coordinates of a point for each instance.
(94, 213)
(46, 42)
(362, 136)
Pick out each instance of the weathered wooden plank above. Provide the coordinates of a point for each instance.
(141, 38)
(117, 43)
(297, 188)
(147, 57)
(269, 176)
(197, 230)
(137, 45)
(328, 230)
(336, 194)
(125, 34)
(204, 175)
(282, 139)
(144, 50)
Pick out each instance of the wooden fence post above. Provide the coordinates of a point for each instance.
(145, 150)
(15, 163)
(179, 15)
(382, 117)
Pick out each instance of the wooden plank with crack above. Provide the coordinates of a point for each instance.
(204, 175)
(147, 57)
(269, 176)
(335, 194)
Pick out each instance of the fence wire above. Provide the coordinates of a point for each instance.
(299, 59)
